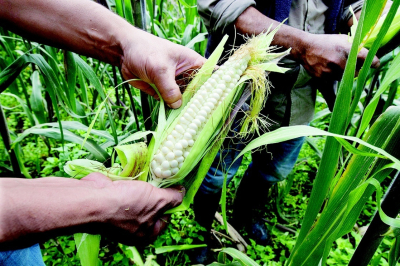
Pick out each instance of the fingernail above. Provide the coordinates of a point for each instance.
(176, 104)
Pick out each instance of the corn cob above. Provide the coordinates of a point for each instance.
(185, 135)
(172, 153)
(189, 133)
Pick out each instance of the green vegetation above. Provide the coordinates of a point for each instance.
(50, 100)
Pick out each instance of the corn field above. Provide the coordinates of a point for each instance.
(59, 111)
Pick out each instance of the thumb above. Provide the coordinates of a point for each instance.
(169, 90)
(173, 196)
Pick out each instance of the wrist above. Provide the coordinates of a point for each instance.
(300, 45)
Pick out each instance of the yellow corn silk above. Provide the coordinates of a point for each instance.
(195, 131)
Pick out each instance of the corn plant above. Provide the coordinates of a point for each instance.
(343, 193)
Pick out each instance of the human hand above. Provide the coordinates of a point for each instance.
(325, 55)
(157, 61)
(135, 213)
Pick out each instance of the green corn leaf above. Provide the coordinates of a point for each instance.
(70, 69)
(135, 136)
(235, 263)
(239, 256)
(12, 71)
(98, 153)
(198, 38)
(24, 107)
(129, 12)
(338, 125)
(134, 254)
(386, 219)
(75, 125)
(394, 253)
(91, 76)
(36, 98)
(340, 214)
(391, 75)
(119, 4)
(287, 133)
(165, 249)
(92, 124)
(367, 64)
(88, 247)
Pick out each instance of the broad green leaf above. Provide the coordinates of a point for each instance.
(136, 136)
(391, 75)
(94, 80)
(71, 69)
(372, 51)
(394, 253)
(199, 38)
(129, 12)
(287, 133)
(24, 107)
(98, 153)
(239, 256)
(165, 249)
(137, 259)
(338, 125)
(332, 221)
(88, 247)
(36, 98)
(119, 4)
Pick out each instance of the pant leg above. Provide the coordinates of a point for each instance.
(22, 257)
(206, 201)
(267, 168)
(277, 162)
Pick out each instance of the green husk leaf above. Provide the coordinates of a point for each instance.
(133, 158)
(80, 168)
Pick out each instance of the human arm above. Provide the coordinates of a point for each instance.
(87, 28)
(35, 210)
(322, 56)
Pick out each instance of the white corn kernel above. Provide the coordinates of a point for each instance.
(170, 156)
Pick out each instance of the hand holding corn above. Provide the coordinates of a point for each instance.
(88, 28)
(34, 210)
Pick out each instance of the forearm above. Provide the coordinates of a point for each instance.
(251, 21)
(35, 210)
(72, 24)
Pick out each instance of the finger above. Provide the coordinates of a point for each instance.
(145, 87)
(158, 227)
(173, 197)
(189, 61)
(169, 90)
